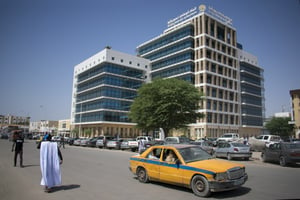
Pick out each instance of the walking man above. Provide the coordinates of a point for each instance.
(50, 160)
(17, 146)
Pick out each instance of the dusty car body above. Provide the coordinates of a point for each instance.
(232, 150)
(283, 153)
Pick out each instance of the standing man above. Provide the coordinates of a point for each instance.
(50, 160)
(62, 141)
(17, 146)
(141, 146)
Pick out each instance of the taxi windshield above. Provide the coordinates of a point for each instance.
(193, 154)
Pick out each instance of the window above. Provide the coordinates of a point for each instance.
(155, 154)
(113, 58)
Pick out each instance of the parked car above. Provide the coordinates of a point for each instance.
(148, 141)
(77, 142)
(283, 153)
(190, 166)
(208, 147)
(114, 143)
(56, 138)
(231, 150)
(129, 143)
(177, 140)
(4, 136)
(229, 137)
(260, 142)
(101, 142)
(71, 140)
(92, 142)
(84, 141)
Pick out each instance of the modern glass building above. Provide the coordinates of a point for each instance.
(104, 87)
(200, 46)
(252, 92)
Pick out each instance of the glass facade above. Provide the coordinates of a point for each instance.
(171, 55)
(105, 93)
(252, 95)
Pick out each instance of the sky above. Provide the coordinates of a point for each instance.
(42, 40)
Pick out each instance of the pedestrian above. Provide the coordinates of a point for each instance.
(17, 146)
(141, 146)
(50, 160)
(62, 141)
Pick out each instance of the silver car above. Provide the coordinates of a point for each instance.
(233, 150)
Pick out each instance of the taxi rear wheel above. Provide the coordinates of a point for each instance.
(200, 186)
(142, 175)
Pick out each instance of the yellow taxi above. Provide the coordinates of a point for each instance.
(188, 166)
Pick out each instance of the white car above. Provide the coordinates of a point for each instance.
(229, 137)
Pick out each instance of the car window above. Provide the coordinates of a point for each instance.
(183, 140)
(239, 145)
(155, 154)
(169, 155)
(226, 136)
(192, 154)
(173, 140)
(275, 138)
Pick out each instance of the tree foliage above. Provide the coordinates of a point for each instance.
(280, 126)
(167, 104)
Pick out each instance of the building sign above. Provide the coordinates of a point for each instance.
(194, 11)
(187, 15)
(220, 16)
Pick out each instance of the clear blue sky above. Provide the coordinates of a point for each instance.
(42, 40)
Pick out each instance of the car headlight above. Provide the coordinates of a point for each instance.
(221, 176)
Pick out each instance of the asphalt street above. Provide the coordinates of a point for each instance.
(91, 173)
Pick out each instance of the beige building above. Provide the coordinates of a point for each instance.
(64, 128)
(200, 46)
(295, 98)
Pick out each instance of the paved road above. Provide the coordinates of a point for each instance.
(103, 174)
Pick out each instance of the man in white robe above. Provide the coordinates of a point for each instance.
(50, 160)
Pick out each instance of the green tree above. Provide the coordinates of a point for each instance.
(88, 132)
(280, 126)
(166, 103)
(75, 132)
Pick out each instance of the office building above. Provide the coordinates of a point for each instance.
(104, 87)
(200, 46)
(252, 92)
(295, 99)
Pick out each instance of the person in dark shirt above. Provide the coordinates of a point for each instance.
(17, 146)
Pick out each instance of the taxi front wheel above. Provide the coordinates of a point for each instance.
(200, 186)
(142, 175)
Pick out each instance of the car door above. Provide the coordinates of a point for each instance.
(153, 163)
(274, 152)
(221, 152)
(170, 172)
